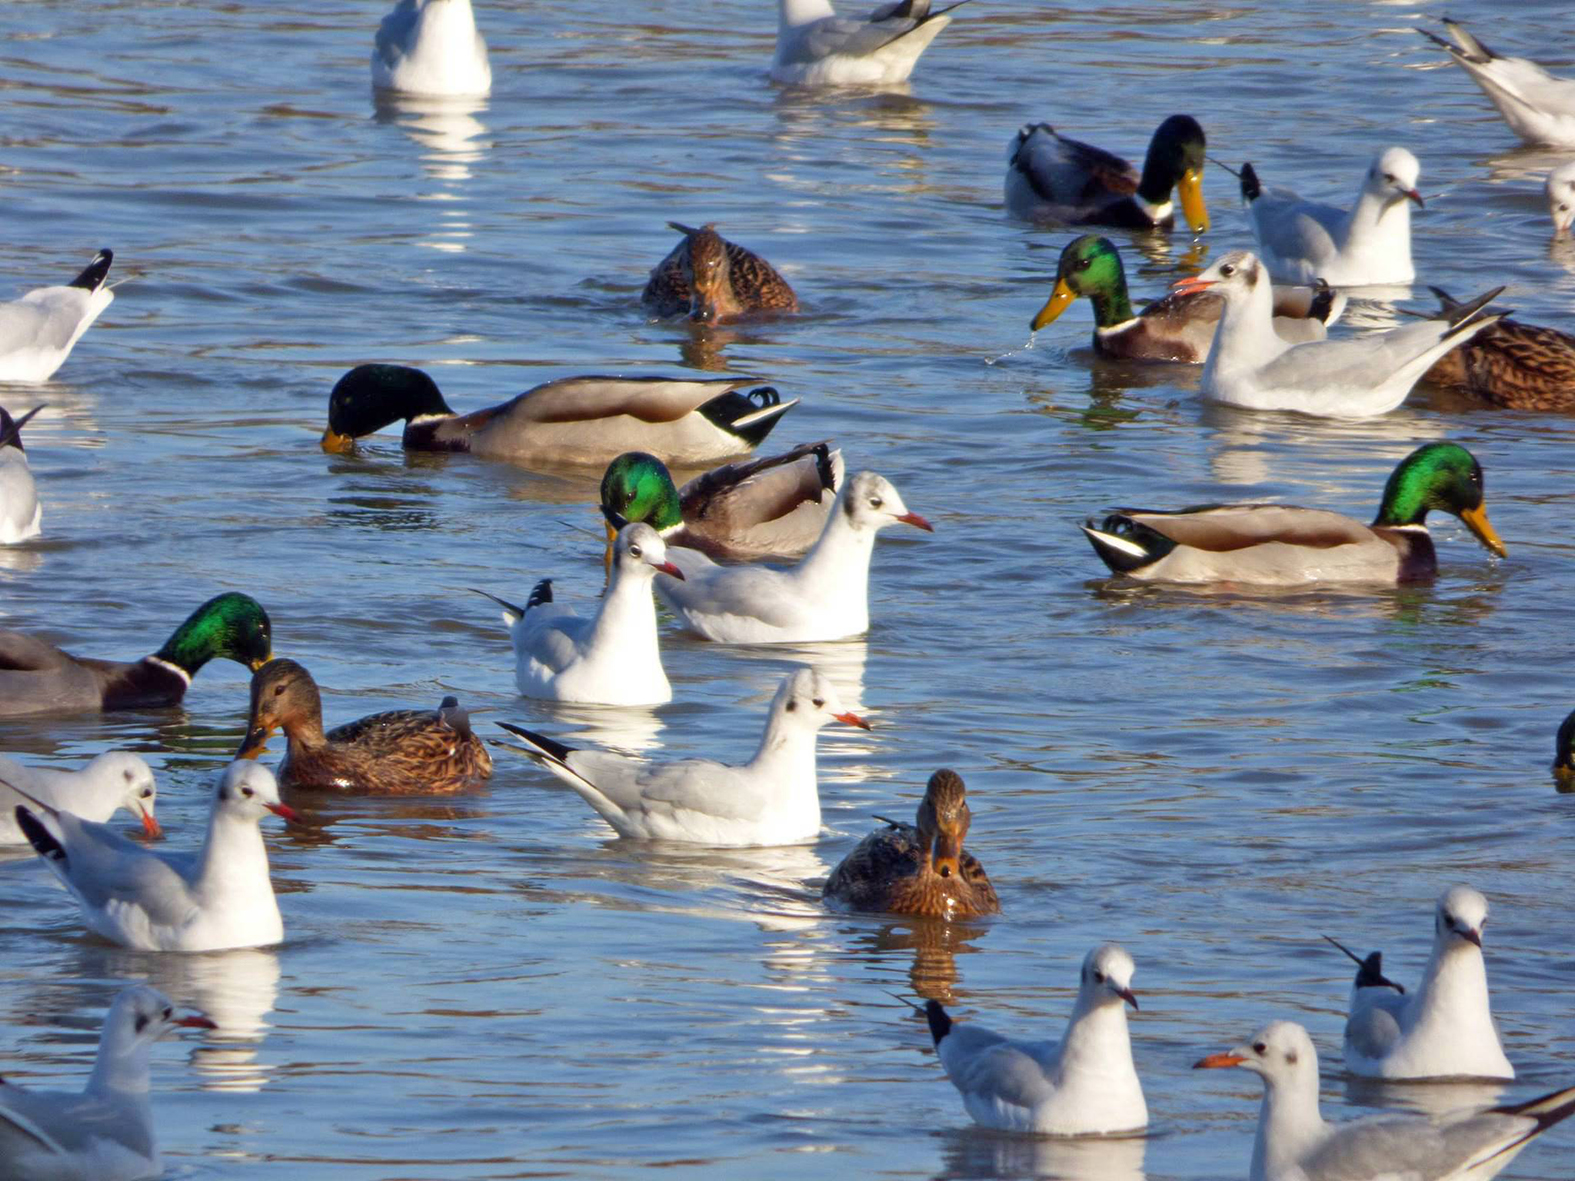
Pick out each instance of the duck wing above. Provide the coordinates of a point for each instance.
(864, 878)
(1226, 527)
(1069, 172)
(581, 399)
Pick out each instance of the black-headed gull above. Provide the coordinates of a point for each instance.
(105, 1132)
(1560, 187)
(217, 897)
(1539, 107)
(1444, 1027)
(823, 597)
(1083, 1085)
(773, 799)
(37, 332)
(20, 513)
(1294, 1142)
(1370, 243)
(1251, 366)
(816, 47)
(111, 781)
(609, 658)
(431, 47)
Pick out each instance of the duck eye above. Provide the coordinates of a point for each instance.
(1259, 1048)
(277, 690)
(634, 551)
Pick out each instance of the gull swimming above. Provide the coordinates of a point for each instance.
(105, 1131)
(1294, 1143)
(38, 331)
(816, 47)
(113, 780)
(431, 47)
(1538, 106)
(773, 799)
(21, 516)
(1083, 1085)
(1370, 243)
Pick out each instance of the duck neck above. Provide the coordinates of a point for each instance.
(1288, 1122)
(119, 1070)
(1112, 305)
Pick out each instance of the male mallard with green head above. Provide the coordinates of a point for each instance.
(37, 677)
(1283, 545)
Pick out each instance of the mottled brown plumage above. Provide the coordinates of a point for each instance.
(1518, 366)
(712, 280)
(401, 752)
(918, 869)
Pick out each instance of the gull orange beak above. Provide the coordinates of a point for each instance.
(852, 719)
(1215, 1061)
(1191, 284)
(1477, 521)
(1060, 299)
(195, 1022)
(917, 522)
(1417, 197)
(150, 826)
(336, 444)
(285, 812)
(669, 568)
(1127, 995)
(1190, 186)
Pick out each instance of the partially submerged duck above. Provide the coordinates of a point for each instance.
(400, 752)
(1050, 177)
(920, 868)
(1284, 545)
(1510, 364)
(572, 420)
(37, 677)
(1178, 327)
(712, 280)
(774, 507)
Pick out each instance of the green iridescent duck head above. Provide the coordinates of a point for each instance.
(1441, 476)
(370, 397)
(232, 625)
(1090, 266)
(638, 487)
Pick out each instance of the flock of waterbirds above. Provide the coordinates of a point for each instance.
(1259, 324)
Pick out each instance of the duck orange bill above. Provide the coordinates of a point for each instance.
(1214, 1061)
(285, 812)
(852, 719)
(150, 825)
(917, 522)
(255, 742)
(947, 858)
(1191, 284)
(336, 444)
(1190, 187)
(257, 663)
(1477, 521)
(195, 1022)
(1060, 299)
(669, 568)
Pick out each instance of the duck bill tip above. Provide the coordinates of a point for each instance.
(1476, 520)
(336, 444)
(1060, 299)
(852, 719)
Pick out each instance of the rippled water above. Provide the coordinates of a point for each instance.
(492, 987)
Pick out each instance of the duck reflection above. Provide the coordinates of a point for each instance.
(930, 948)
(979, 1152)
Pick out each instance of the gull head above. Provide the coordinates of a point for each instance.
(1393, 177)
(1107, 977)
(1237, 277)
(1561, 198)
(870, 502)
(249, 789)
(943, 821)
(1280, 1052)
(140, 1016)
(131, 776)
(1462, 914)
(641, 550)
(808, 699)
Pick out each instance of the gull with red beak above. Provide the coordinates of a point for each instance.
(824, 597)
(609, 658)
(111, 781)
(216, 897)
(1442, 1029)
(105, 1131)
(1294, 1142)
(1251, 366)
(1304, 241)
(1083, 1085)
(773, 799)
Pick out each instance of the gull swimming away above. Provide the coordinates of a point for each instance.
(824, 597)
(111, 781)
(1538, 106)
(773, 799)
(217, 897)
(1444, 1027)
(1370, 243)
(608, 658)
(1561, 198)
(38, 331)
(1083, 1085)
(1251, 366)
(1294, 1142)
(21, 516)
(431, 47)
(816, 47)
(105, 1131)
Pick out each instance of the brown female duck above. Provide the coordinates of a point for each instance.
(1510, 364)
(401, 752)
(712, 280)
(918, 869)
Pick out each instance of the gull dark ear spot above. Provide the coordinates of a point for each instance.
(791, 705)
(1290, 1056)
(142, 1022)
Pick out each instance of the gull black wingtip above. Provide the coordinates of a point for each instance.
(545, 746)
(92, 276)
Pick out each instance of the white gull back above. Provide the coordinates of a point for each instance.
(21, 515)
(1539, 107)
(816, 47)
(431, 47)
(38, 331)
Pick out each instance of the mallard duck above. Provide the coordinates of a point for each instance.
(1283, 545)
(1052, 178)
(431, 47)
(1520, 366)
(761, 508)
(1560, 187)
(401, 752)
(1178, 327)
(38, 331)
(712, 280)
(20, 513)
(919, 868)
(1538, 106)
(586, 420)
(1370, 243)
(37, 677)
(816, 47)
